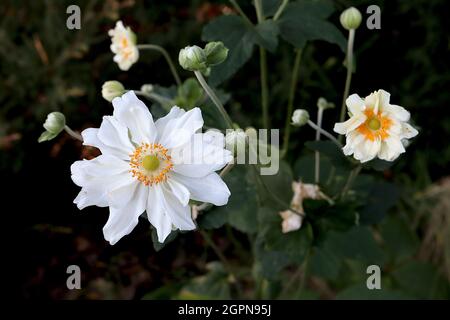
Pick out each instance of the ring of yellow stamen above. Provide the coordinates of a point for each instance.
(376, 125)
(150, 163)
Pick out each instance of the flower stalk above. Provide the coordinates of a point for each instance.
(294, 80)
(348, 79)
(214, 98)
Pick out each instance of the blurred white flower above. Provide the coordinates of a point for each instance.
(150, 166)
(291, 221)
(123, 45)
(376, 128)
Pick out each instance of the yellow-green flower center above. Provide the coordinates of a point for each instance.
(150, 162)
(374, 124)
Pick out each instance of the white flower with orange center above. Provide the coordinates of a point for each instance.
(123, 45)
(376, 128)
(150, 166)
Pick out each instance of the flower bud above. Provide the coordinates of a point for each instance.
(322, 103)
(53, 125)
(216, 53)
(235, 140)
(147, 88)
(351, 18)
(112, 89)
(300, 117)
(192, 58)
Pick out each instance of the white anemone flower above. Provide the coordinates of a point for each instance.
(123, 45)
(150, 166)
(376, 127)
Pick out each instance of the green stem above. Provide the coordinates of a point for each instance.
(222, 258)
(317, 153)
(263, 67)
(351, 178)
(241, 12)
(264, 87)
(294, 80)
(325, 133)
(214, 98)
(166, 56)
(280, 10)
(73, 134)
(348, 79)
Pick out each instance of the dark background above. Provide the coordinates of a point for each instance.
(44, 67)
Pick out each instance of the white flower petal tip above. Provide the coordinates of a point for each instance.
(291, 221)
(149, 166)
(123, 45)
(376, 128)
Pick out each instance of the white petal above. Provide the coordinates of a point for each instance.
(209, 189)
(114, 134)
(174, 113)
(121, 194)
(349, 125)
(157, 216)
(179, 214)
(199, 158)
(408, 131)
(355, 104)
(398, 112)
(122, 220)
(134, 114)
(179, 191)
(91, 197)
(90, 138)
(391, 148)
(179, 130)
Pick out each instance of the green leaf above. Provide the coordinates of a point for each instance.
(267, 35)
(294, 245)
(422, 280)
(304, 21)
(189, 93)
(378, 164)
(357, 243)
(270, 7)
(234, 32)
(240, 38)
(400, 241)
(158, 245)
(331, 151)
(241, 210)
(213, 285)
(269, 262)
(324, 263)
(381, 196)
(278, 186)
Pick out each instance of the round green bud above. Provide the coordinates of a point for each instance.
(300, 117)
(216, 53)
(112, 89)
(192, 58)
(322, 103)
(55, 122)
(351, 18)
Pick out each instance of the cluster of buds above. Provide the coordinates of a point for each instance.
(194, 58)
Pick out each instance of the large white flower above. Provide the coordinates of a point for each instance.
(150, 166)
(123, 46)
(376, 128)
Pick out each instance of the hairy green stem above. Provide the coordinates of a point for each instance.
(214, 99)
(155, 97)
(280, 10)
(317, 153)
(241, 12)
(166, 56)
(73, 134)
(294, 80)
(348, 79)
(325, 133)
